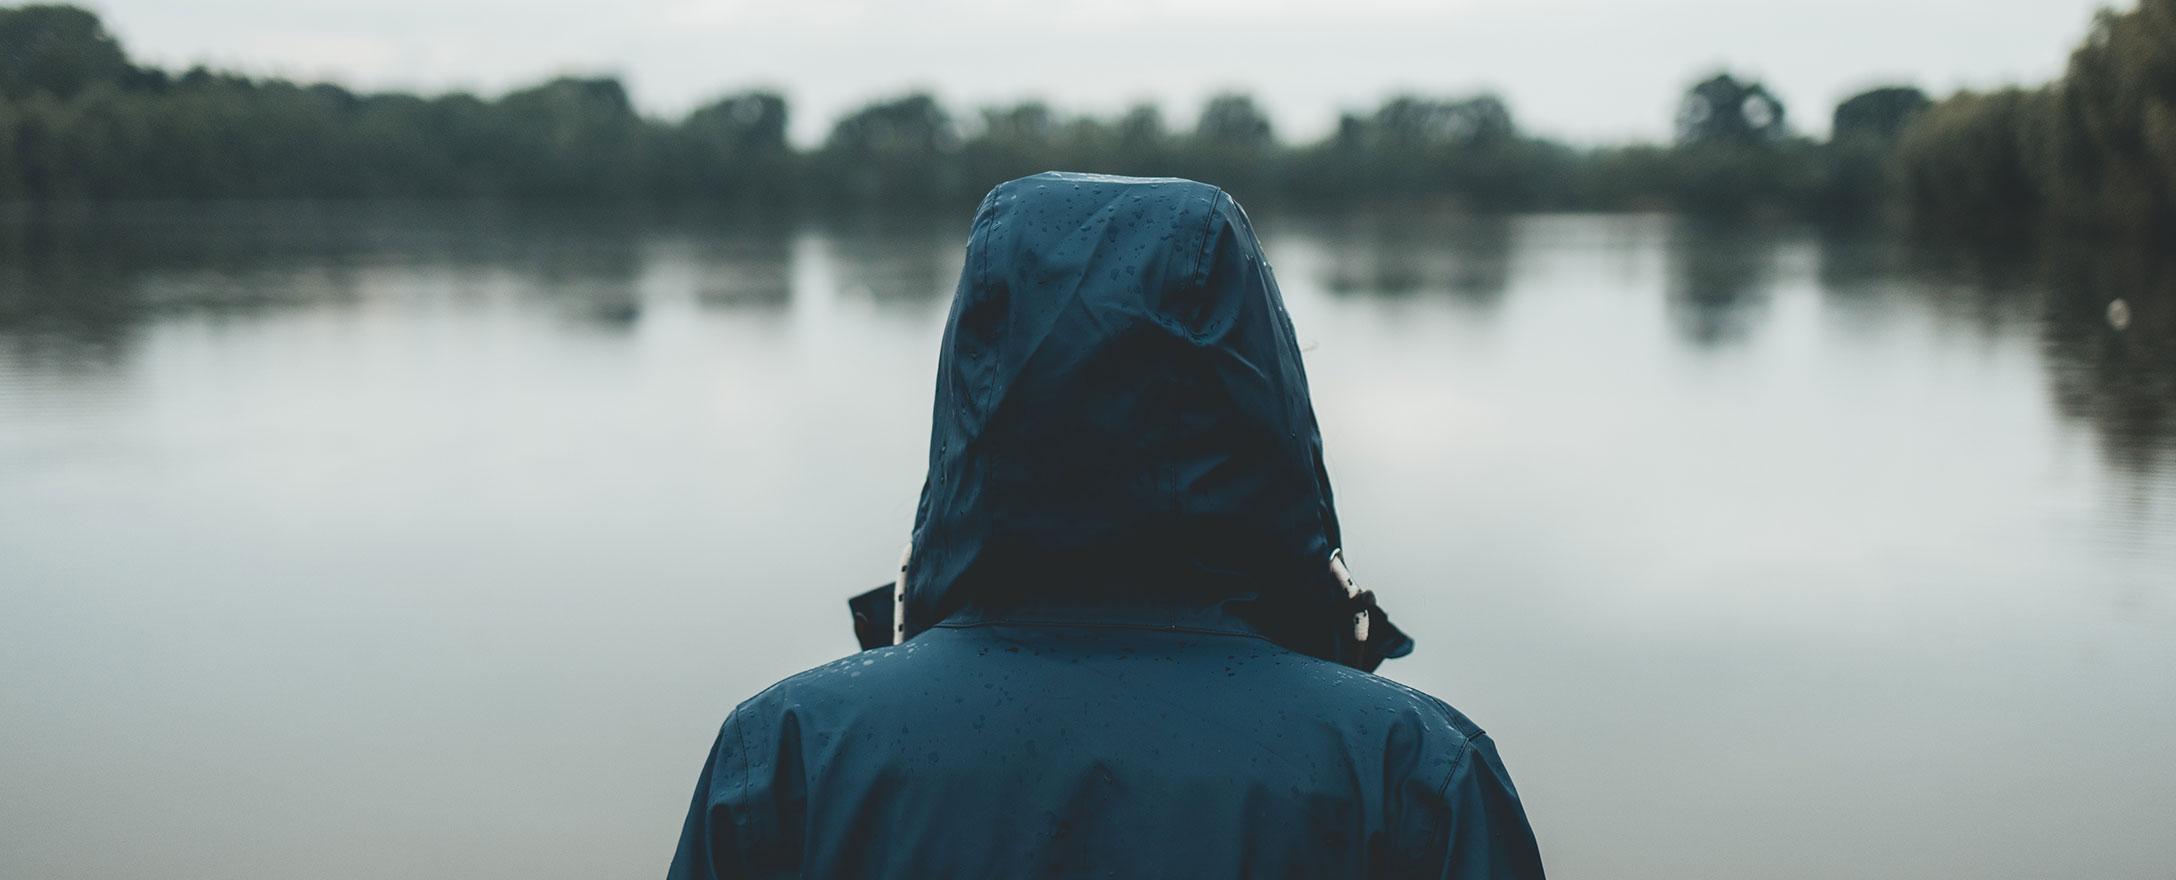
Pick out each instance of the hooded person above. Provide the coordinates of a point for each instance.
(1123, 642)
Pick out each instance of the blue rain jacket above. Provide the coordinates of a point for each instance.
(1124, 652)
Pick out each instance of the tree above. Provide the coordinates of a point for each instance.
(1231, 122)
(1415, 146)
(2092, 153)
(1142, 129)
(899, 150)
(1880, 114)
(747, 123)
(1234, 146)
(1723, 110)
(1856, 168)
(1732, 154)
(1013, 142)
(1412, 122)
(735, 148)
(57, 49)
(2105, 151)
(1962, 165)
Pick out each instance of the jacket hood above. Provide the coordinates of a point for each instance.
(1121, 416)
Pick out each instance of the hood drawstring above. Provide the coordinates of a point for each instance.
(899, 597)
(1352, 591)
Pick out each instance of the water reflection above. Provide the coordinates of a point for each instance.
(1720, 274)
(744, 265)
(908, 260)
(77, 282)
(2118, 380)
(2121, 380)
(1399, 253)
(588, 267)
(1866, 274)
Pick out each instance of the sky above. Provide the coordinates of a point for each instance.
(1587, 71)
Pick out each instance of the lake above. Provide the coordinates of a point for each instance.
(435, 541)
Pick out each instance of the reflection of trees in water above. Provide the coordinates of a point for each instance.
(745, 264)
(907, 259)
(586, 264)
(59, 304)
(1392, 252)
(1988, 289)
(2118, 378)
(2120, 381)
(78, 284)
(1719, 278)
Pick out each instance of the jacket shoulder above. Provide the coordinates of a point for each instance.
(1352, 688)
(853, 676)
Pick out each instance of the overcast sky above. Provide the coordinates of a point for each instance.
(1586, 70)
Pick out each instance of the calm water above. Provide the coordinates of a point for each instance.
(382, 542)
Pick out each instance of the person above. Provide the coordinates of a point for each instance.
(1125, 643)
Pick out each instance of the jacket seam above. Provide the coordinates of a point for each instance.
(1445, 820)
(1199, 277)
(740, 742)
(982, 283)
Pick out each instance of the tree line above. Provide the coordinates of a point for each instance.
(2092, 152)
(80, 121)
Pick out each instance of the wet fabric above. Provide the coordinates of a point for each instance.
(1124, 652)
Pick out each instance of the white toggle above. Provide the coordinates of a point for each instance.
(1352, 590)
(899, 597)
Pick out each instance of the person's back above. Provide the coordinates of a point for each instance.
(1120, 631)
